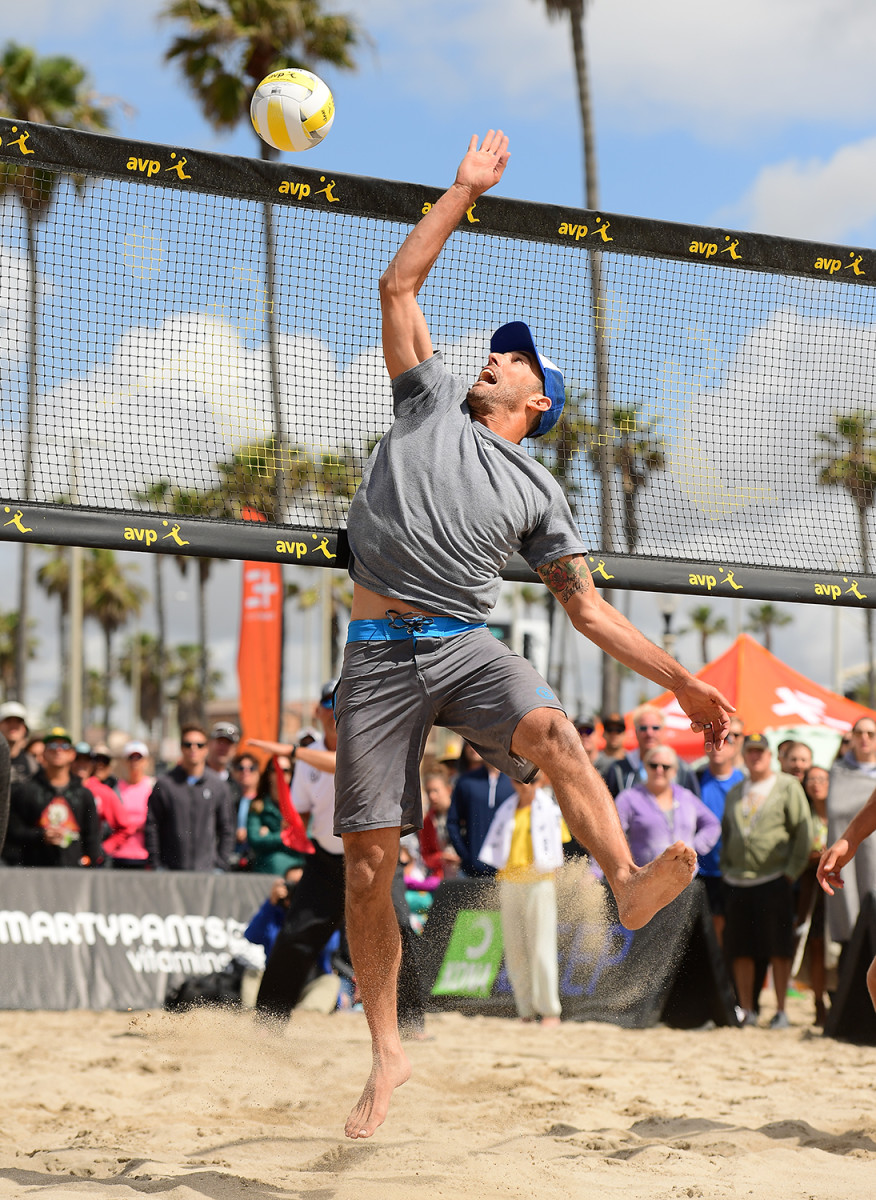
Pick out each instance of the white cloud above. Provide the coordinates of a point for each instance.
(173, 401)
(827, 200)
(14, 280)
(741, 455)
(715, 69)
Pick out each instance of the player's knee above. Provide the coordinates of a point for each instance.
(366, 868)
(557, 738)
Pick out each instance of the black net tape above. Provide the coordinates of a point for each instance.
(153, 370)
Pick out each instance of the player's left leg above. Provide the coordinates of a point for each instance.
(375, 946)
(546, 737)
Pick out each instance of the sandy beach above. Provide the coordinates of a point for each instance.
(115, 1105)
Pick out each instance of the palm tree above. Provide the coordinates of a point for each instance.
(227, 49)
(54, 579)
(186, 685)
(95, 697)
(204, 567)
(764, 619)
(141, 666)
(156, 496)
(110, 598)
(575, 10)
(168, 497)
(9, 626)
(54, 91)
(706, 625)
(635, 451)
(849, 461)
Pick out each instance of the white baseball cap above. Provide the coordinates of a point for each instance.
(12, 708)
(136, 748)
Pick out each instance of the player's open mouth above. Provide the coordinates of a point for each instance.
(487, 376)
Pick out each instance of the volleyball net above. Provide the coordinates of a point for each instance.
(190, 362)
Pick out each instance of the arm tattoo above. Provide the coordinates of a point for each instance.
(565, 577)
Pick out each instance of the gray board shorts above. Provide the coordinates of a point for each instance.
(391, 693)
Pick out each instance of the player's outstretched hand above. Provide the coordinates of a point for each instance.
(833, 859)
(708, 710)
(483, 166)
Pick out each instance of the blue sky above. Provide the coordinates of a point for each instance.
(755, 115)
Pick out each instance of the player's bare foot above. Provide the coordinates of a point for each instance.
(652, 887)
(550, 1022)
(388, 1072)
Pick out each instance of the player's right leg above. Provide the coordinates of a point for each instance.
(383, 719)
(375, 947)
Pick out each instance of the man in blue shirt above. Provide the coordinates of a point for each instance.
(715, 781)
(476, 797)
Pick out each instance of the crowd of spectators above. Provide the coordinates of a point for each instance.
(757, 821)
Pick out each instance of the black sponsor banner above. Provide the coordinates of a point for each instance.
(670, 971)
(36, 147)
(108, 939)
(851, 1015)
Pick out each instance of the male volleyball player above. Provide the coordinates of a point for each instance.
(446, 497)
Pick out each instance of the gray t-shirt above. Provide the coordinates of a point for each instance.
(444, 502)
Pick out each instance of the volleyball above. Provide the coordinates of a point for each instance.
(292, 109)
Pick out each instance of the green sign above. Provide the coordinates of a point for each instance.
(473, 956)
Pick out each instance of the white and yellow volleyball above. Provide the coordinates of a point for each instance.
(292, 109)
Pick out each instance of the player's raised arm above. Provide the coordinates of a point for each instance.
(571, 582)
(406, 339)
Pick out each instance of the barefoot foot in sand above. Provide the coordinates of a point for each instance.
(387, 1073)
(648, 889)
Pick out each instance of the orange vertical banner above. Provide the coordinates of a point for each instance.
(260, 650)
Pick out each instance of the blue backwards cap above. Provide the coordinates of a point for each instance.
(517, 335)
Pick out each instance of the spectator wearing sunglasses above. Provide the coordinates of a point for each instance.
(53, 819)
(589, 735)
(190, 824)
(659, 812)
(614, 731)
(269, 854)
(243, 785)
(766, 836)
(649, 725)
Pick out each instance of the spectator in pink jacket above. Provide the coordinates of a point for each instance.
(126, 817)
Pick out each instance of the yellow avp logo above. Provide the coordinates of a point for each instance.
(152, 166)
(710, 249)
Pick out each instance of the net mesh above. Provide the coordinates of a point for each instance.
(741, 425)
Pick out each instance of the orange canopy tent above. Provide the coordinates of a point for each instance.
(767, 694)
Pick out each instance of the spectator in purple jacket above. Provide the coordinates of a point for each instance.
(658, 812)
